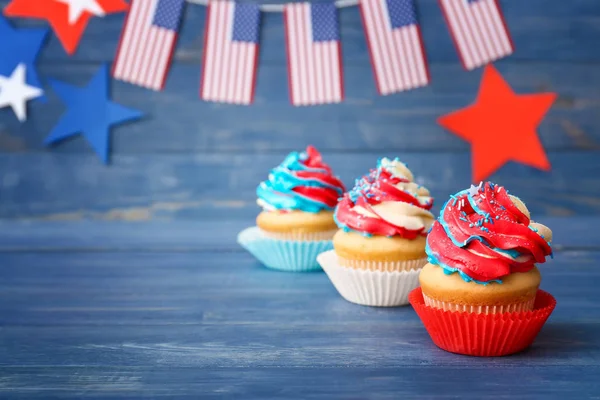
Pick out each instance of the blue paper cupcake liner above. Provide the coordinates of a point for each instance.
(283, 255)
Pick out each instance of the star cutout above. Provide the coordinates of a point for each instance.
(501, 126)
(90, 112)
(20, 46)
(15, 92)
(61, 14)
(78, 7)
(473, 190)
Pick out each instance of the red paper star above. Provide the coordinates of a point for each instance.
(501, 126)
(57, 14)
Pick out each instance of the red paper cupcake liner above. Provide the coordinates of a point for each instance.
(483, 335)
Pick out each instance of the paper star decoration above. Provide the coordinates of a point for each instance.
(15, 92)
(68, 18)
(78, 7)
(90, 112)
(501, 126)
(20, 46)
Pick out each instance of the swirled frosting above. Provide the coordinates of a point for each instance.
(386, 202)
(301, 182)
(484, 234)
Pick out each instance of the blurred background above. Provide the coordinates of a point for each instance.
(194, 160)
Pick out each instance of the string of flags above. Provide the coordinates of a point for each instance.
(313, 47)
(232, 44)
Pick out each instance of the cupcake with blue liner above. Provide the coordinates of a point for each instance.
(380, 246)
(479, 293)
(296, 223)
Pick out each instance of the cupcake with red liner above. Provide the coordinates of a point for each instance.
(380, 247)
(479, 293)
(296, 223)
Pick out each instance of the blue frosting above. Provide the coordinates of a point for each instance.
(277, 191)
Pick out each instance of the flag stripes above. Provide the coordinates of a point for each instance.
(314, 54)
(230, 52)
(478, 30)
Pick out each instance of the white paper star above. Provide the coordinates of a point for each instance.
(78, 7)
(473, 190)
(16, 93)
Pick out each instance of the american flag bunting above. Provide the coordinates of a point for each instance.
(313, 53)
(478, 29)
(147, 42)
(395, 45)
(231, 46)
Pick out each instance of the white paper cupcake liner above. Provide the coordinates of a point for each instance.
(369, 287)
(404, 265)
(283, 255)
(446, 306)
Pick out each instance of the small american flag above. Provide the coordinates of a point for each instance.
(230, 52)
(313, 53)
(395, 44)
(478, 29)
(147, 42)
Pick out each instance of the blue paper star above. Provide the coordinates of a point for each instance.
(90, 112)
(20, 46)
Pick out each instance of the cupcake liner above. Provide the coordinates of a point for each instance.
(369, 287)
(283, 255)
(404, 265)
(446, 306)
(301, 236)
(484, 335)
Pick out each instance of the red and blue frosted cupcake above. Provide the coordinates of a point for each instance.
(380, 247)
(480, 292)
(296, 223)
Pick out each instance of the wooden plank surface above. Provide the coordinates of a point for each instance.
(177, 120)
(217, 186)
(158, 321)
(570, 233)
(415, 382)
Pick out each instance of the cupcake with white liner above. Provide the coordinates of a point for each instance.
(380, 248)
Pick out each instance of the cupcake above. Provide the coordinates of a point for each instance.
(296, 223)
(380, 248)
(479, 293)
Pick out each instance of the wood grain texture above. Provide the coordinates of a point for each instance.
(141, 325)
(180, 236)
(217, 186)
(177, 120)
(414, 382)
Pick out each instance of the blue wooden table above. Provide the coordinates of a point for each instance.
(177, 309)
(126, 282)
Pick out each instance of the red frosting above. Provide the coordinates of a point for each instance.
(322, 173)
(496, 224)
(375, 188)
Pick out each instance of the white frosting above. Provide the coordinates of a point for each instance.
(419, 192)
(400, 214)
(397, 168)
(264, 205)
